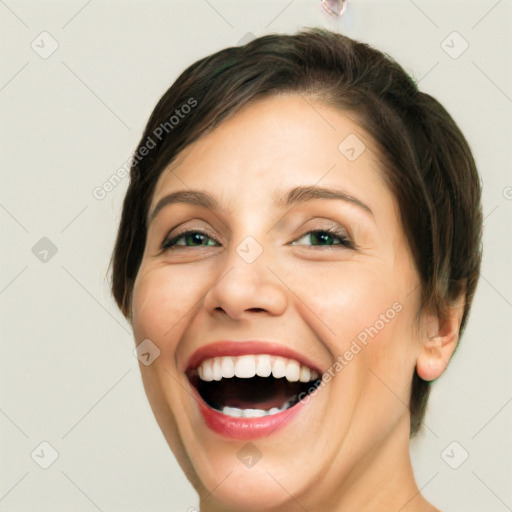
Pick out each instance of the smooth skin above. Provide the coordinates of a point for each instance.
(348, 449)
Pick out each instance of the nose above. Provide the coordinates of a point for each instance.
(244, 288)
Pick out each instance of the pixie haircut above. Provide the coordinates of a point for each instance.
(424, 157)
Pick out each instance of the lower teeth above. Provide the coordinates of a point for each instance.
(235, 412)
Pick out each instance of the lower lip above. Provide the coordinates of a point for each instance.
(245, 428)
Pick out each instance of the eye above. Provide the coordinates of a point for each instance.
(191, 238)
(319, 237)
(326, 237)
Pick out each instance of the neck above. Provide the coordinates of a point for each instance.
(382, 480)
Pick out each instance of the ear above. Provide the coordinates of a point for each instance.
(441, 338)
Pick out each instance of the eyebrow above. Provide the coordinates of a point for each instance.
(294, 196)
(195, 197)
(307, 193)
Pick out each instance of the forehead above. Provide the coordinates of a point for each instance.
(276, 143)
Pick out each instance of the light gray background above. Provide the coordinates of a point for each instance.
(68, 122)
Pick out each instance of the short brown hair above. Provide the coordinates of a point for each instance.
(427, 161)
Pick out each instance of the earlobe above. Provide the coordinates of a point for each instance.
(441, 341)
(434, 357)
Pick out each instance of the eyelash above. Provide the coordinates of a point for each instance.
(170, 243)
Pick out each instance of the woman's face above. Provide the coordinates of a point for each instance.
(296, 264)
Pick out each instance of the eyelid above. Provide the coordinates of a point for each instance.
(333, 229)
(183, 230)
(327, 225)
(337, 232)
(168, 238)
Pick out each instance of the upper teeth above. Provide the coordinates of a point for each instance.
(261, 365)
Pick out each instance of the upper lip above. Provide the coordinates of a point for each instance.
(240, 348)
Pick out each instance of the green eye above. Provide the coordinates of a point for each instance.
(321, 238)
(189, 239)
(325, 237)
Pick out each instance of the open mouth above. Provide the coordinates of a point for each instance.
(251, 386)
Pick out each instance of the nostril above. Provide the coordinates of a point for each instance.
(256, 310)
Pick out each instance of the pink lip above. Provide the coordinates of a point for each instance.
(241, 348)
(245, 428)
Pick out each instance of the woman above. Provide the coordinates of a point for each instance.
(297, 255)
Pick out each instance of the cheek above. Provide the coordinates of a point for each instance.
(162, 298)
(347, 298)
(389, 359)
(363, 317)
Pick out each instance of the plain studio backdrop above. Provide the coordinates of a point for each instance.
(78, 80)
